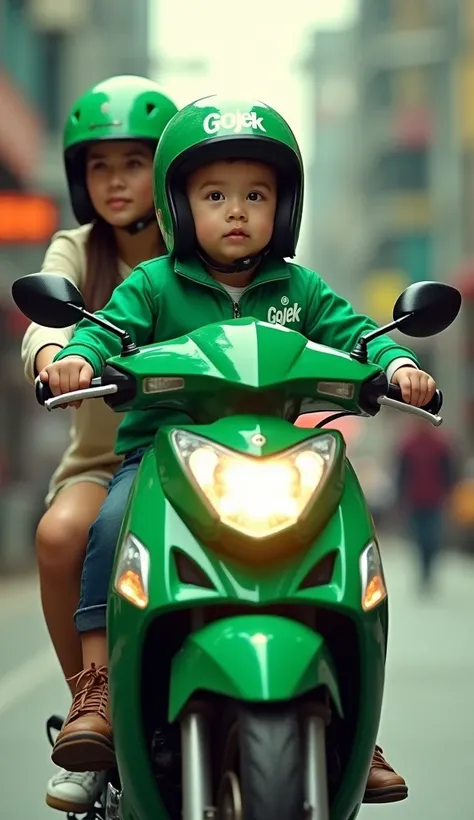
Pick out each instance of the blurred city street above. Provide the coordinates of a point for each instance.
(428, 724)
(380, 97)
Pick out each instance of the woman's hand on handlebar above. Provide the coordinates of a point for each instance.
(71, 373)
(417, 387)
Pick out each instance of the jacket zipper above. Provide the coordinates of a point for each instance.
(235, 307)
(251, 287)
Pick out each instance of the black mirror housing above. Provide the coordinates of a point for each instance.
(426, 308)
(48, 299)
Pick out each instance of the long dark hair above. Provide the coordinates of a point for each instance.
(102, 272)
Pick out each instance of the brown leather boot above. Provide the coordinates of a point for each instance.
(384, 785)
(85, 743)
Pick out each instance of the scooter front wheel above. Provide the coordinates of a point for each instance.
(271, 769)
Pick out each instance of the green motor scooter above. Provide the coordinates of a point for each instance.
(247, 614)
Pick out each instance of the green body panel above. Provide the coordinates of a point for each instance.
(267, 638)
(226, 361)
(252, 658)
(348, 530)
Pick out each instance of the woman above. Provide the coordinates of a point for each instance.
(110, 138)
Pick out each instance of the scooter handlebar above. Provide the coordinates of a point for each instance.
(429, 412)
(44, 394)
(392, 399)
(434, 405)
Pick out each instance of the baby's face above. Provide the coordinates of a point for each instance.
(233, 204)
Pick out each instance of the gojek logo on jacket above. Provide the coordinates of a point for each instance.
(285, 316)
(233, 121)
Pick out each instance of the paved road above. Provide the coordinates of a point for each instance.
(30, 690)
(428, 723)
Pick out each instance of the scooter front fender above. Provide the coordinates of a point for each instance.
(252, 658)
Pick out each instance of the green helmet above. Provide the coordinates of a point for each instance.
(216, 128)
(124, 107)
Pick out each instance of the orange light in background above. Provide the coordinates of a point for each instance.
(349, 426)
(27, 218)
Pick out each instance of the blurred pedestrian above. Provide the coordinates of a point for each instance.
(426, 473)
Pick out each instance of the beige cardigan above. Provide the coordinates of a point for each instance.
(94, 425)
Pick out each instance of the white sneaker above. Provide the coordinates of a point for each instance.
(76, 792)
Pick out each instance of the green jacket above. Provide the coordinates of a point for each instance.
(166, 298)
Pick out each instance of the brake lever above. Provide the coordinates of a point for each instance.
(385, 401)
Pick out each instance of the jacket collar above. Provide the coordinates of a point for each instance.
(271, 270)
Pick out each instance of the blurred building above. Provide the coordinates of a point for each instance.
(405, 129)
(465, 271)
(405, 178)
(50, 51)
(333, 195)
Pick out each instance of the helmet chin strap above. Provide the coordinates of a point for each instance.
(140, 224)
(241, 265)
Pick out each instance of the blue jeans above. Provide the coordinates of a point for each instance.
(103, 537)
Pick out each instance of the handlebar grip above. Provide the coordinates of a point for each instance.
(434, 405)
(43, 391)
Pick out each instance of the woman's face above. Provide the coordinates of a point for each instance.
(119, 180)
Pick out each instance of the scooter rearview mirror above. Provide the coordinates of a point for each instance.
(48, 299)
(426, 308)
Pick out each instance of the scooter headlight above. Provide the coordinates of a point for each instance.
(256, 496)
(131, 576)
